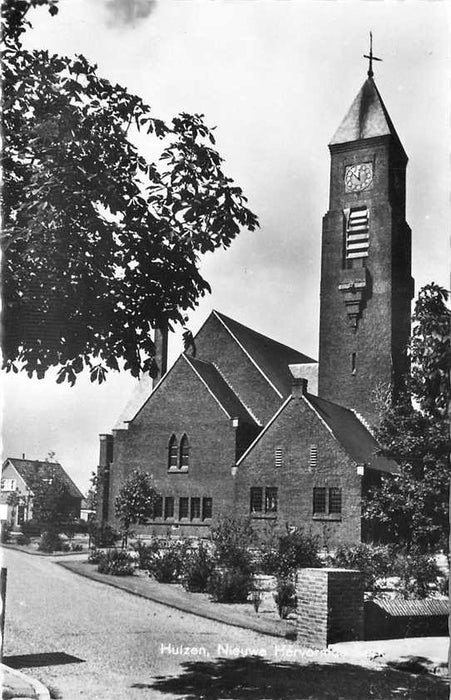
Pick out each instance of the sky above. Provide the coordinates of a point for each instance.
(275, 77)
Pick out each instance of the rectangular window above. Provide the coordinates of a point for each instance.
(334, 500)
(207, 508)
(195, 508)
(271, 500)
(313, 456)
(183, 507)
(158, 507)
(169, 507)
(256, 499)
(278, 457)
(357, 233)
(319, 500)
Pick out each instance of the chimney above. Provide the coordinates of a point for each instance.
(161, 353)
(298, 387)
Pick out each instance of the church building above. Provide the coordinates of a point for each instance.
(250, 427)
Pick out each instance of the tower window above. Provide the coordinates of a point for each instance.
(278, 457)
(357, 233)
(184, 453)
(353, 363)
(173, 453)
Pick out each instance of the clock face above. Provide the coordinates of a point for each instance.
(358, 177)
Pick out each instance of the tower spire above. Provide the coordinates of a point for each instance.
(371, 57)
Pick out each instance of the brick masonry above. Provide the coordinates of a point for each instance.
(329, 607)
(295, 430)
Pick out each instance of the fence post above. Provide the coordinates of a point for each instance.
(3, 575)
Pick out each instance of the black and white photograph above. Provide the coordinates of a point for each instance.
(225, 335)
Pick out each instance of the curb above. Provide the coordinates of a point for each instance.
(17, 548)
(42, 693)
(256, 626)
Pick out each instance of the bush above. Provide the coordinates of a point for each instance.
(418, 573)
(166, 564)
(22, 539)
(374, 561)
(230, 585)
(198, 568)
(31, 528)
(102, 534)
(294, 550)
(145, 552)
(50, 542)
(232, 538)
(95, 556)
(116, 562)
(6, 532)
(285, 596)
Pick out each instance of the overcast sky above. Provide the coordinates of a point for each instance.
(275, 77)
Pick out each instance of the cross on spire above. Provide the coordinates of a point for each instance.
(371, 57)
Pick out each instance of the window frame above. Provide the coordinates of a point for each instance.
(206, 499)
(173, 453)
(271, 491)
(185, 500)
(169, 500)
(256, 491)
(184, 453)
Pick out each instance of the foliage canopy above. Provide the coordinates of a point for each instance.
(100, 244)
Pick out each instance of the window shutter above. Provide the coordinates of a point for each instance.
(278, 457)
(313, 456)
(357, 233)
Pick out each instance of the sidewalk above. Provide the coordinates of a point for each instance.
(175, 596)
(16, 684)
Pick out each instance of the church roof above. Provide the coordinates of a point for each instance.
(353, 435)
(271, 357)
(222, 392)
(30, 469)
(367, 118)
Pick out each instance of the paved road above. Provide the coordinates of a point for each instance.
(126, 646)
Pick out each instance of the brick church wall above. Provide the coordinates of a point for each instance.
(293, 432)
(181, 405)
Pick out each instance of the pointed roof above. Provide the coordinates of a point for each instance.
(271, 357)
(222, 392)
(367, 118)
(31, 469)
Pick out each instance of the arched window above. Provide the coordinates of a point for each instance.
(173, 453)
(184, 452)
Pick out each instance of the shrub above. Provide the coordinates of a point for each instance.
(285, 596)
(418, 573)
(230, 585)
(166, 564)
(95, 556)
(374, 561)
(232, 538)
(22, 539)
(198, 568)
(76, 547)
(31, 528)
(294, 550)
(5, 532)
(50, 542)
(102, 534)
(116, 562)
(145, 552)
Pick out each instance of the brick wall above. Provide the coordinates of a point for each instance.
(330, 606)
(181, 405)
(293, 432)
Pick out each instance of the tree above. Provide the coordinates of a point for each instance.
(136, 501)
(51, 503)
(100, 245)
(412, 508)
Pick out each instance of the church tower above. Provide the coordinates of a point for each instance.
(366, 284)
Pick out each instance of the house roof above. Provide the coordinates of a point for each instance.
(222, 392)
(367, 117)
(29, 469)
(353, 435)
(270, 356)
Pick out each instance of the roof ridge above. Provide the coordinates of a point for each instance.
(229, 384)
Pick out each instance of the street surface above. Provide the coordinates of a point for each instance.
(129, 648)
